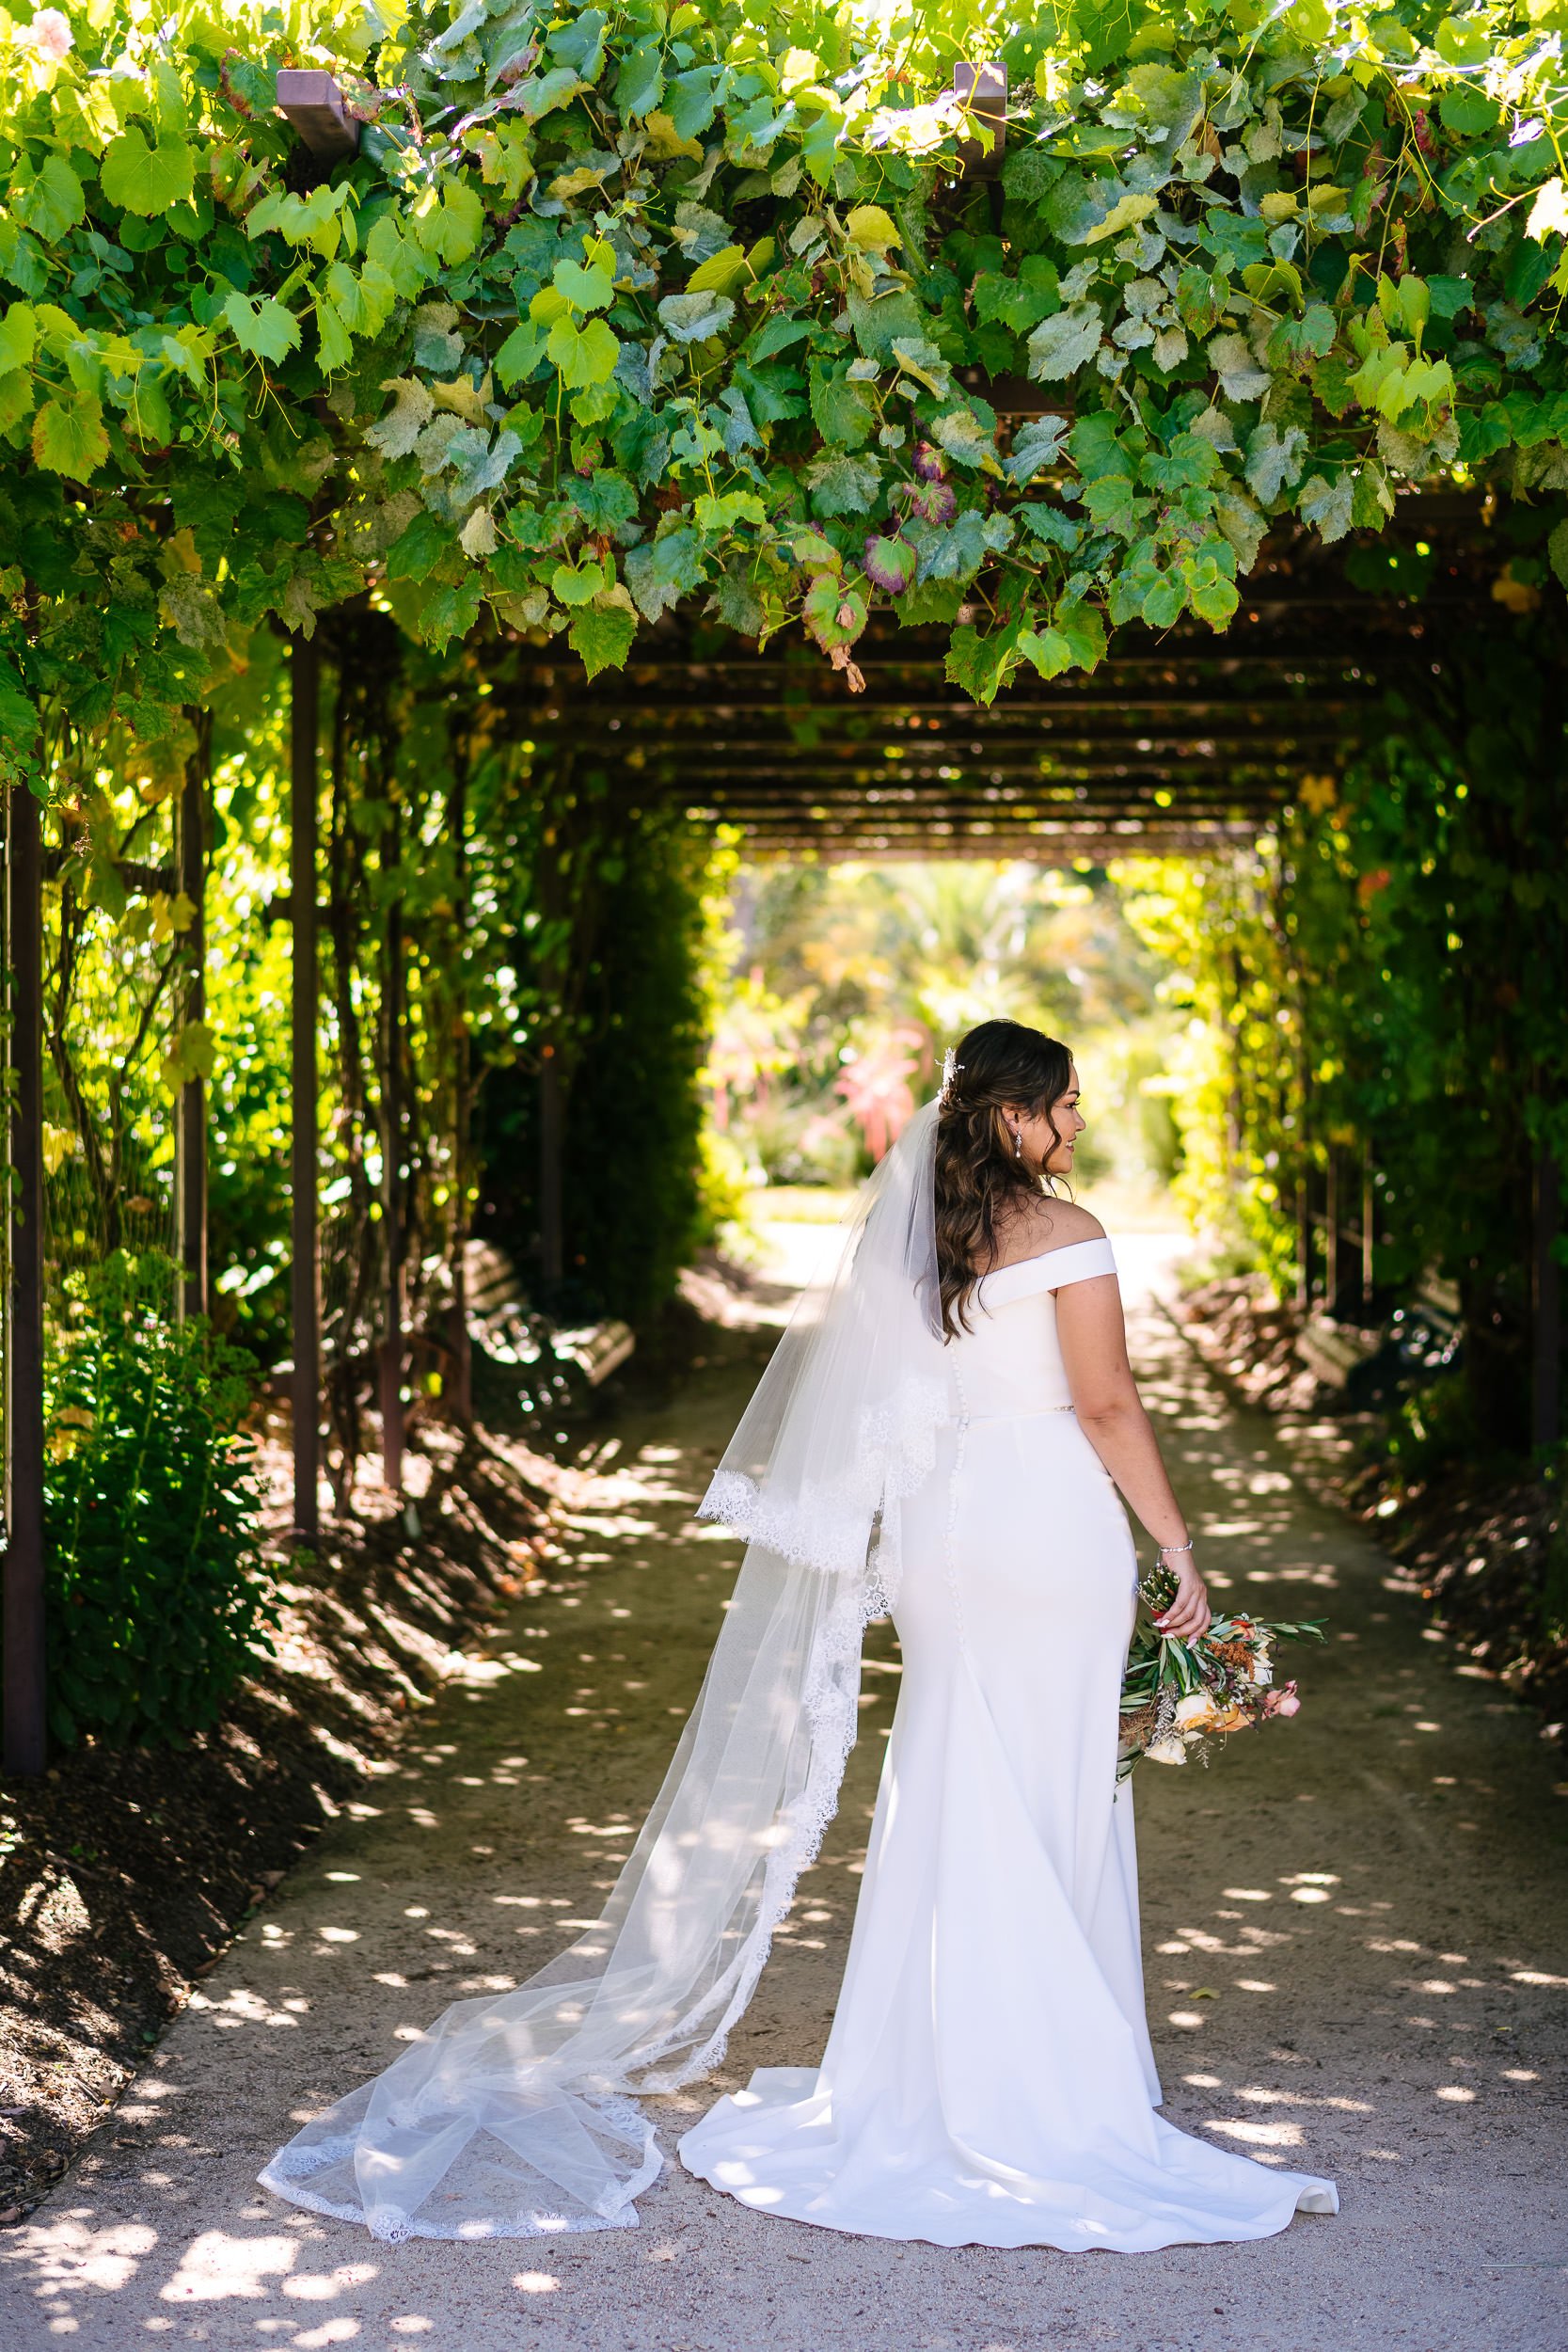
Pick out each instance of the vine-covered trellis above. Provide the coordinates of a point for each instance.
(887, 332)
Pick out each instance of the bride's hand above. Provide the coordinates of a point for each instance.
(1188, 1615)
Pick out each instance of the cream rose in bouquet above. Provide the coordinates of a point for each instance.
(1176, 1695)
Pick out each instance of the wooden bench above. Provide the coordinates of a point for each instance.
(514, 1332)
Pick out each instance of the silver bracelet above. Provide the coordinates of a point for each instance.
(1165, 1548)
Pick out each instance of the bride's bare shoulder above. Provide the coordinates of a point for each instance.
(1044, 1224)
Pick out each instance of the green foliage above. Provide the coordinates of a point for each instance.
(1433, 1429)
(1385, 973)
(634, 1165)
(156, 1606)
(620, 988)
(649, 292)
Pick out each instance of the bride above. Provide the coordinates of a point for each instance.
(942, 1433)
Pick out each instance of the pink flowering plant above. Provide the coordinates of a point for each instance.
(1176, 1695)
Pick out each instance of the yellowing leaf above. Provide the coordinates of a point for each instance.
(477, 537)
(16, 337)
(1125, 213)
(797, 69)
(59, 1145)
(720, 272)
(870, 227)
(461, 398)
(1549, 215)
(665, 141)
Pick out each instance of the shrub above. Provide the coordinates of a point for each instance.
(1433, 1427)
(155, 1603)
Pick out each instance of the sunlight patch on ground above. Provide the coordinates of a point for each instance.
(217, 2266)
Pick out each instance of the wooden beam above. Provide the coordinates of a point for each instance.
(615, 715)
(1052, 849)
(26, 1688)
(982, 91)
(1546, 1301)
(318, 112)
(303, 719)
(391, 1191)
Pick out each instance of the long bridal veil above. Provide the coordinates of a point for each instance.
(516, 2114)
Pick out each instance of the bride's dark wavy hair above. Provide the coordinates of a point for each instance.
(978, 1174)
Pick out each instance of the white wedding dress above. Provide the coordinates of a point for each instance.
(989, 2078)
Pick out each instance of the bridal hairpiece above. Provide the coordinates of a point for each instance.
(950, 1069)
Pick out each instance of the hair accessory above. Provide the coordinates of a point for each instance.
(950, 1070)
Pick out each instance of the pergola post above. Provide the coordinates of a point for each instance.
(1546, 1318)
(26, 1688)
(391, 1198)
(190, 1133)
(304, 698)
(552, 1141)
(460, 1386)
(982, 91)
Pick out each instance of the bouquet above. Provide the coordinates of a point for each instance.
(1176, 1695)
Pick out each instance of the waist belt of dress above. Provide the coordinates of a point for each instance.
(1024, 1412)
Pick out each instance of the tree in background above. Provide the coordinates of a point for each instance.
(854, 978)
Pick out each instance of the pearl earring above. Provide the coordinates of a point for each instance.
(1017, 1145)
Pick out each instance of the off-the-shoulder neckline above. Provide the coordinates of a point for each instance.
(1044, 1257)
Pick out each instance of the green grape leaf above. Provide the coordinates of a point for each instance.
(16, 336)
(720, 272)
(979, 665)
(833, 613)
(844, 486)
(641, 83)
(602, 637)
(146, 180)
(395, 434)
(452, 229)
(335, 344)
(1273, 460)
(1328, 506)
(265, 329)
(966, 440)
(692, 318)
(576, 583)
(1066, 341)
(1035, 445)
(69, 436)
(585, 289)
(47, 200)
(16, 397)
(582, 355)
(520, 354)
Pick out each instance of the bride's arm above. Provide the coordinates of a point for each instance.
(1105, 1398)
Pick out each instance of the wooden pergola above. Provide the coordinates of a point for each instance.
(1177, 743)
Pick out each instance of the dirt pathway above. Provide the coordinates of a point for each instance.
(1356, 1932)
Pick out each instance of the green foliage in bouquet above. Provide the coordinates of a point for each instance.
(1177, 1695)
(155, 1604)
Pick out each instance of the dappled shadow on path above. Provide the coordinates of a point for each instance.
(1353, 1927)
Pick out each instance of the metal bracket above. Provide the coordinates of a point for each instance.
(982, 91)
(315, 105)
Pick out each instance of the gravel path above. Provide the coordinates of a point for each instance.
(1356, 1932)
